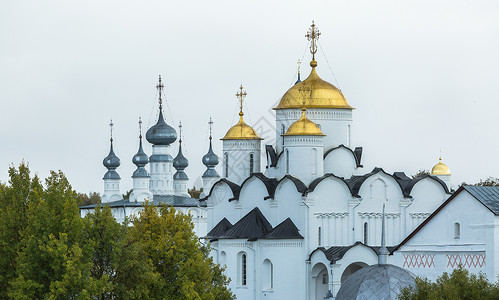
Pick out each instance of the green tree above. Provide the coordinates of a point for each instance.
(127, 194)
(490, 181)
(420, 173)
(15, 199)
(194, 193)
(459, 285)
(91, 198)
(183, 264)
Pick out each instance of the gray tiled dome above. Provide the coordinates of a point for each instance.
(161, 133)
(376, 282)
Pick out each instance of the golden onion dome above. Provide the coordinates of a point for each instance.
(322, 94)
(440, 168)
(303, 126)
(241, 131)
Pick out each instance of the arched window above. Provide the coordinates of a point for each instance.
(365, 232)
(223, 258)
(319, 236)
(457, 230)
(251, 163)
(287, 161)
(243, 270)
(314, 161)
(226, 155)
(268, 275)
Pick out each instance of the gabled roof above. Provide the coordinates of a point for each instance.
(270, 183)
(219, 229)
(253, 225)
(234, 187)
(355, 182)
(316, 182)
(357, 154)
(412, 182)
(286, 230)
(170, 200)
(487, 195)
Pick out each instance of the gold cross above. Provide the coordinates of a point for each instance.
(303, 91)
(241, 95)
(299, 64)
(312, 36)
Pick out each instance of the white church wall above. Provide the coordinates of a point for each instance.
(252, 194)
(340, 162)
(330, 213)
(441, 245)
(427, 196)
(219, 207)
(288, 203)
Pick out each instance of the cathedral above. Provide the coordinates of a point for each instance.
(296, 219)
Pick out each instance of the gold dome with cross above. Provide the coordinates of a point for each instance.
(241, 131)
(323, 94)
(303, 126)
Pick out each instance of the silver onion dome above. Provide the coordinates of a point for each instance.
(161, 133)
(180, 162)
(140, 159)
(111, 161)
(210, 159)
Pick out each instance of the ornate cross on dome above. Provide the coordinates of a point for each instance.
(111, 127)
(210, 123)
(312, 36)
(160, 87)
(303, 91)
(299, 65)
(241, 95)
(180, 132)
(140, 128)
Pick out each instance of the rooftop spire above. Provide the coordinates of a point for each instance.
(210, 123)
(111, 127)
(180, 132)
(312, 36)
(160, 87)
(383, 251)
(140, 129)
(241, 95)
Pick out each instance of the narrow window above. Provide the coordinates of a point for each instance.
(319, 235)
(268, 275)
(314, 161)
(457, 230)
(324, 278)
(287, 161)
(243, 269)
(226, 165)
(164, 167)
(348, 136)
(283, 131)
(251, 163)
(365, 232)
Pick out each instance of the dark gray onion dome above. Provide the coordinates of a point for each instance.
(111, 174)
(180, 175)
(376, 282)
(141, 172)
(111, 161)
(161, 133)
(140, 159)
(180, 162)
(210, 159)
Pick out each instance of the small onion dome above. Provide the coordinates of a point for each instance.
(241, 131)
(111, 161)
(303, 126)
(376, 282)
(161, 133)
(322, 95)
(210, 159)
(180, 175)
(140, 159)
(180, 162)
(440, 168)
(140, 172)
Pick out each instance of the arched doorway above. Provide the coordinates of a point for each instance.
(352, 268)
(320, 281)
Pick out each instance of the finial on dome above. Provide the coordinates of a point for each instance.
(299, 79)
(111, 128)
(180, 132)
(241, 95)
(383, 251)
(303, 91)
(312, 36)
(140, 129)
(160, 87)
(210, 123)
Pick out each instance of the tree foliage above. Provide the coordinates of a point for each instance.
(420, 173)
(91, 198)
(459, 285)
(47, 251)
(194, 193)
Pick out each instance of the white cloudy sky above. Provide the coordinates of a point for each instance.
(422, 75)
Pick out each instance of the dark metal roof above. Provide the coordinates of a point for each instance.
(253, 225)
(487, 195)
(316, 182)
(355, 182)
(270, 183)
(272, 155)
(408, 185)
(357, 154)
(286, 230)
(234, 187)
(219, 229)
(300, 186)
(335, 253)
(175, 201)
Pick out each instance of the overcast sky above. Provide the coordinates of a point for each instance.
(422, 75)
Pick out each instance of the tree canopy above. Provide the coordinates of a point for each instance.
(459, 285)
(47, 251)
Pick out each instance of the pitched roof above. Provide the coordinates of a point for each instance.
(270, 183)
(170, 200)
(253, 225)
(336, 253)
(219, 229)
(357, 153)
(234, 188)
(487, 195)
(286, 230)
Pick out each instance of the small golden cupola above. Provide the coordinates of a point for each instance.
(440, 168)
(303, 126)
(322, 95)
(241, 131)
